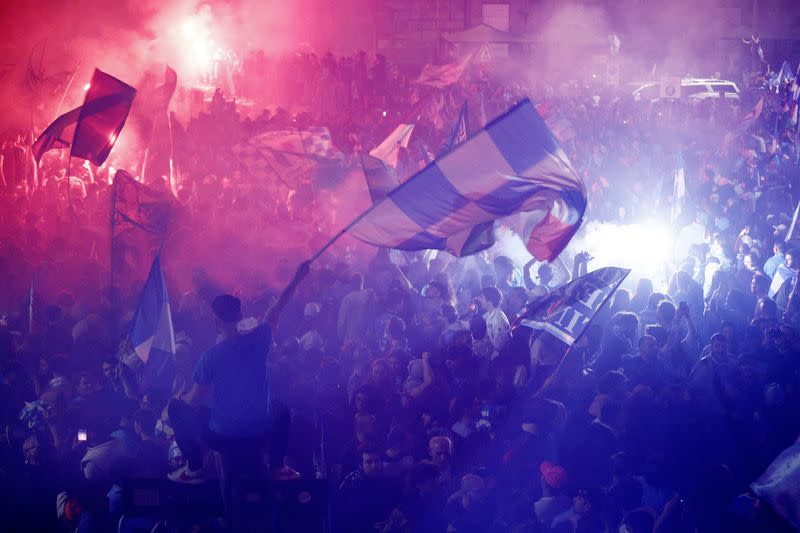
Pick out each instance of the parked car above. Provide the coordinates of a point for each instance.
(693, 89)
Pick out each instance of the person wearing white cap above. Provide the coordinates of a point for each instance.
(311, 337)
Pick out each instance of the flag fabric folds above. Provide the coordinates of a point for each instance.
(389, 149)
(292, 156)
(102, 117)
(162, 95)
(566, 311)
(152, 106)
(312, 142)
(150, 344)
(151, 330)
(782, 274)
(513, 166)
(459, 133)
(441, 76)
(56, 135)
(779, 485)
(678, 190)
(140, 206)
(381, 178)
(140, 225)
(479, 237)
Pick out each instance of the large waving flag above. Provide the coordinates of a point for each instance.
(151, 333)
(481, 236)
(566, 311)
(97, 123)
(381, 178)
(678, 190)
(513, 166)
(102, 117)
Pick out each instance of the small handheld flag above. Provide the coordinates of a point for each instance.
(151, 330)
(566, 312)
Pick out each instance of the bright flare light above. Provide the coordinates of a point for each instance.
(646, 249)
(195, 42)
(86, 87)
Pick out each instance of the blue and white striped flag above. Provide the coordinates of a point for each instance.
(381, 178)
(567, 311)
(151, 330)
(513, 166)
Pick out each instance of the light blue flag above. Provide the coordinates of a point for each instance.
(151, 330)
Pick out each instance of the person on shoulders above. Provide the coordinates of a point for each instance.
(233, 373)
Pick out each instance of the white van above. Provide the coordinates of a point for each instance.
(693, 89)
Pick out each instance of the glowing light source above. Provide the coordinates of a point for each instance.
(194, 39)
(86, 87)
(189, 28)
(646, 249)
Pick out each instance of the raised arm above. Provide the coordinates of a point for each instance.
(580, 264)
(561, 272)
(526, 274)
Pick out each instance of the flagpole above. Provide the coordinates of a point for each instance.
(144, 161)
(346, 229)
(69, 181)
(557, 373)
(69, 84)
(112, 223)
(172, 183)
(30, 305)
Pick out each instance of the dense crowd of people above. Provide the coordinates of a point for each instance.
(399, 377)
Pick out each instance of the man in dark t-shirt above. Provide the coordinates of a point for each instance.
(236, 369)
(233, 373)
